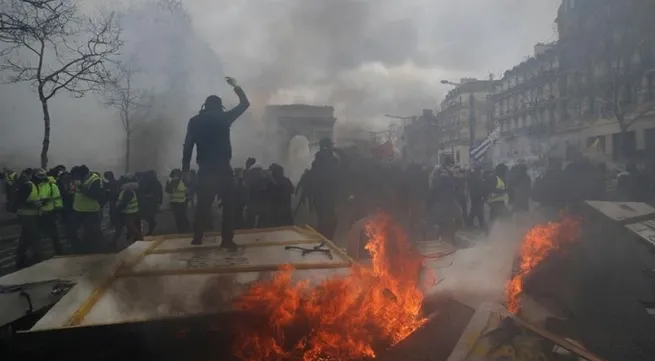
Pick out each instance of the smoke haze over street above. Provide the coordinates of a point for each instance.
(365, 58)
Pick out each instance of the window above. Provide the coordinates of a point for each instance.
(650, 83)
(457, 156)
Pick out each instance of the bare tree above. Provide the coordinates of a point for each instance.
(621, 52)
(122, 94)
(54, 48)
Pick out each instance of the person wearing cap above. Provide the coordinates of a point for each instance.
(50, 202)
(176, 189)
(209, 132)
(28, 204)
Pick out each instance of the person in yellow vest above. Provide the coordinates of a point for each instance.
(50, 202)
(127, 213)
(497, 198)
(177, 190)
(86, 211)
(28, 204)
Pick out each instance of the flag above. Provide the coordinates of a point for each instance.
(478, 153)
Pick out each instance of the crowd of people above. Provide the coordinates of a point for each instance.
(338, 187)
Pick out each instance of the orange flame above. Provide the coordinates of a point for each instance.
(344, 318)
(537, 245)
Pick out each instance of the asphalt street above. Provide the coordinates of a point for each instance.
(9, 233)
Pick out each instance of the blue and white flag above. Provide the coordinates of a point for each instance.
(478, 153)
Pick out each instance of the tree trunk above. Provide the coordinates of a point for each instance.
(128, 140)
(46, 132)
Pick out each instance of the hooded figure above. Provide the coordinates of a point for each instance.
(209, 132)
(280, 192)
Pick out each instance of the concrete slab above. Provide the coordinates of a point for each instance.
(644, 230)
(73, 268)
(167, 277)
(251, 256)
(240, 238)
(622, 211)
(147, 298)
(87, 284)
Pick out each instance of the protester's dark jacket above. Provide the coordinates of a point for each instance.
(209, 131)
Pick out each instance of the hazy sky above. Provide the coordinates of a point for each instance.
(366, 57)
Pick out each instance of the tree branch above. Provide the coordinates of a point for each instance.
(70, 52)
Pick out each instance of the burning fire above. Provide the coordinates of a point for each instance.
(537, 245)
(345, 318)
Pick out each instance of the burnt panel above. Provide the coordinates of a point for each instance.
(436, 339)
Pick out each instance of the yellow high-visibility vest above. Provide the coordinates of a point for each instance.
(56, 193)
(11, 178)
(179, 193)
(50, 195)
(82, 203)
(132, 207)
(31, 207)
(499, 194)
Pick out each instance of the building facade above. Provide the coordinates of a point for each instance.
(463, 119)
(606, 50)
(525, 105)
(420, 139)
(595, 85)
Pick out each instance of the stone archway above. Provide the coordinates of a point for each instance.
(285, 123)
(299, 157)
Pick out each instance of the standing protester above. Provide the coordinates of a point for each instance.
(477, 194)
(443, 202)
(209, 131)
(50, 201)
(87, 200)
(325, 176)
(176, 189)
(27, 204)
(127, 213)
(280, 192)
(151, 195)
(497, 199)
(113, 189)
(519, 186)
(240, 199)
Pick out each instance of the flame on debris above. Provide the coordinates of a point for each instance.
(344, 318)
(536, 246)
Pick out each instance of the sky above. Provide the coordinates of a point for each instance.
(367, 58)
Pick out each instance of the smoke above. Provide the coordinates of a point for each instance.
(479, 274)
(366, 58)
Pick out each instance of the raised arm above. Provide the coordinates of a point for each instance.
(244, 103)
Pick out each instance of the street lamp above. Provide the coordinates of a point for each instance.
(447, 82)
(398, 117)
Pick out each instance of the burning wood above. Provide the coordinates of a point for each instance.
(346, 318)
(537, 245)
